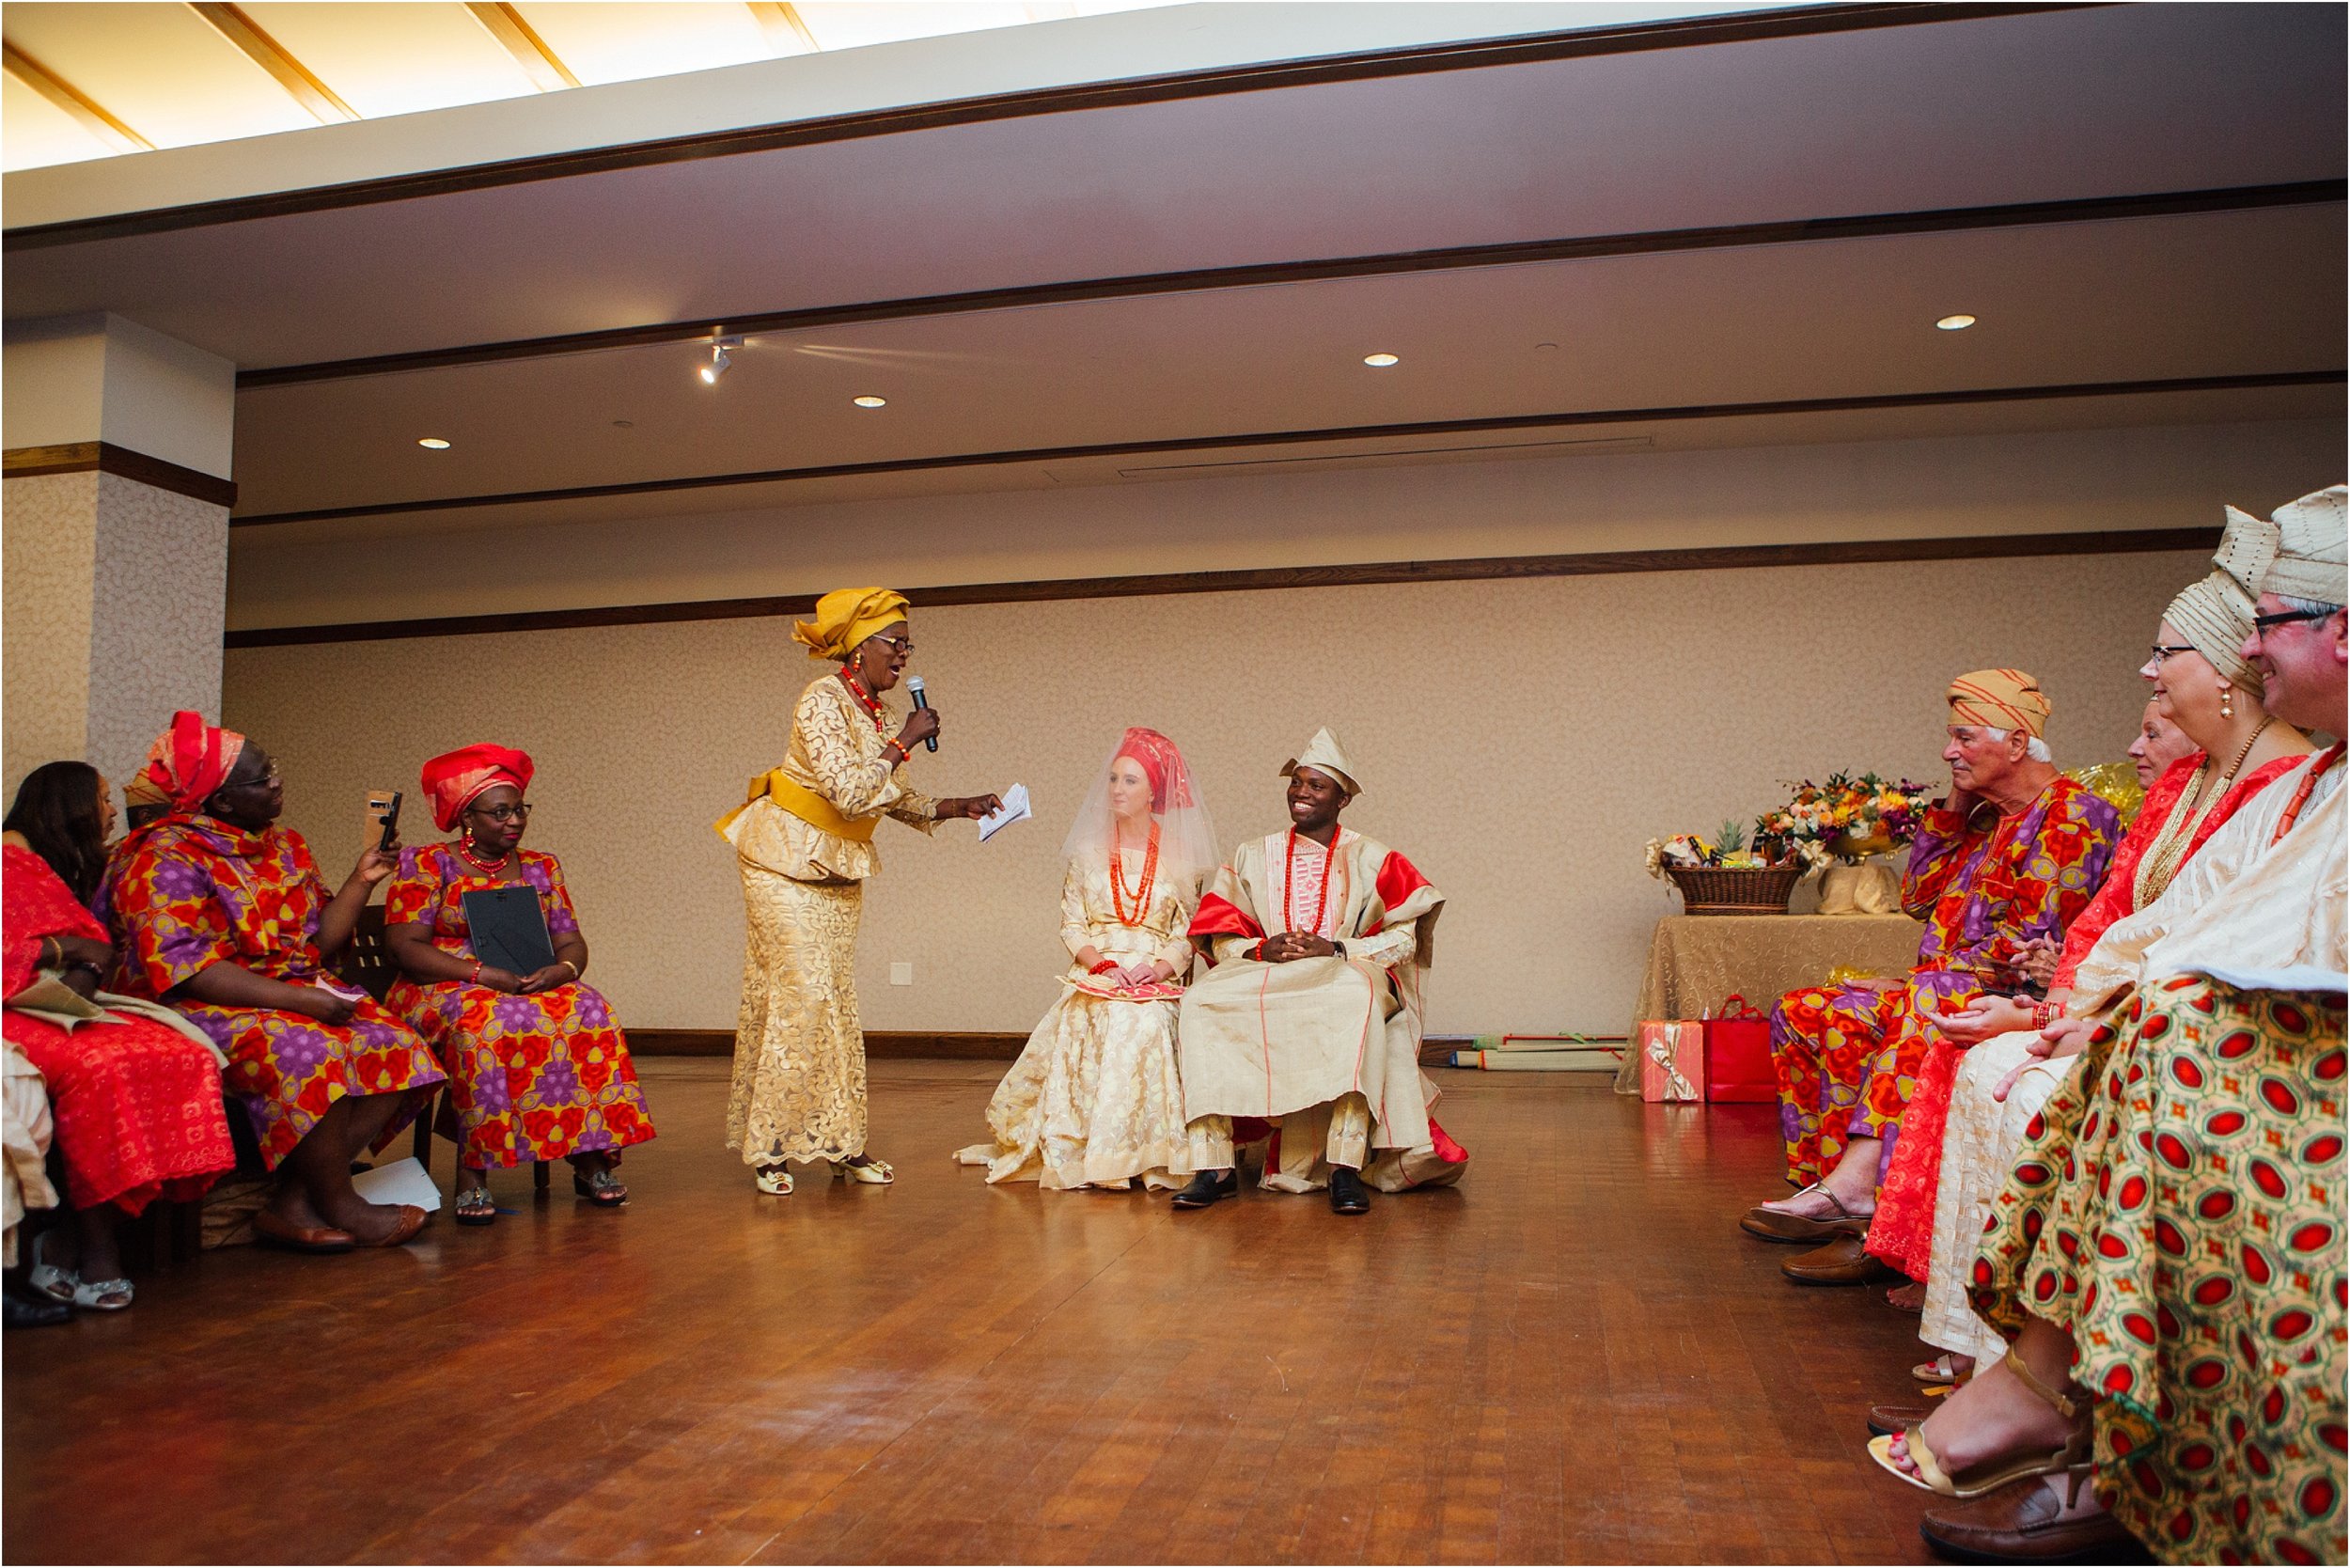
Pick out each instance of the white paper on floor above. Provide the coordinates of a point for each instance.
(401, 1182)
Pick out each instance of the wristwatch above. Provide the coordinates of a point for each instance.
(1338, 949)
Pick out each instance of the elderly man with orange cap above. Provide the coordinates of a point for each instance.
(2006, 862)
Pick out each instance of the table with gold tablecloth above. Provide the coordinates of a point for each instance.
(1694, 960)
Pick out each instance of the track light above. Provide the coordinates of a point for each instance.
(721, 356)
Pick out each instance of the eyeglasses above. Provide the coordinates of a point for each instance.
(2164, 650)
(901, 644)
(2263, 622)
(518, 810)
(268, 780)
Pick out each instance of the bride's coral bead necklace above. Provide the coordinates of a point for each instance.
(1119, 895)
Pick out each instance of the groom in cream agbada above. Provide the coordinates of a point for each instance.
(1311, 1013)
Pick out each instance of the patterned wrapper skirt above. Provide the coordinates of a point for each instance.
(137, 1110)
(532, 1078)
(288, 1069)
(799, 1051)
(2178, 1205)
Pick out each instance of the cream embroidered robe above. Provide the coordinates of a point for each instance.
(1094, 1099)
(1262, 1040)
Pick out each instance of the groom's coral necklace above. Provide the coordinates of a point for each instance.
(1117, 880)
(1288, 879)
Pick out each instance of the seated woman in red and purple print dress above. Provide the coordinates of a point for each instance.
(222, 914)
(540, 1068)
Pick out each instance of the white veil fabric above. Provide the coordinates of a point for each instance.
(1187, 841)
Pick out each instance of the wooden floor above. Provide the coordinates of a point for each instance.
(1574, 1356)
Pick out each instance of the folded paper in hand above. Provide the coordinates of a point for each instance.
(1014, 810)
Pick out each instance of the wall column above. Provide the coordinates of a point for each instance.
(116, 570)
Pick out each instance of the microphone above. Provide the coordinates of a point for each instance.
(921, 699)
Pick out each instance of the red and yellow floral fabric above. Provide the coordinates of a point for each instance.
(2178, 1206)
(191, 892)
(1903, 1231)
(1847, 1056)
(137, 1106)
(535, 1078)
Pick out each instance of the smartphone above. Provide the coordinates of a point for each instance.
(391, 824)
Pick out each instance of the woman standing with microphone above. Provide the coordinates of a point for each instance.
(803, 841)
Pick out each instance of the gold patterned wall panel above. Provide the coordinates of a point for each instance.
(51, 539)
(1520, 741)
(160, 596)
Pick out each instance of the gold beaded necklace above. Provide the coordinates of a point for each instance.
(2169, 850)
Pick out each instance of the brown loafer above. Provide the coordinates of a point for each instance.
(282, 1233)
(2021, 1523)
(404, 1229)
(1844, 1261)
(1887, 1419)
(1771, 1225)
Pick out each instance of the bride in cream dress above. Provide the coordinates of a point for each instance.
(1094, 1099)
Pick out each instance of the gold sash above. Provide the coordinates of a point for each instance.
(804, 804)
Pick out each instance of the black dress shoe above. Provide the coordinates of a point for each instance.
(28, 1311)
(1207, 1187)
(1348, 1196)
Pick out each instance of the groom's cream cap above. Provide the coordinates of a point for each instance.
(1324, 755)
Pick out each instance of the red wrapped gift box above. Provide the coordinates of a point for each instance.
(1738, 1055)
(1673, 1059)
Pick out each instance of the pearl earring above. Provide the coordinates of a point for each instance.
(2227, 702)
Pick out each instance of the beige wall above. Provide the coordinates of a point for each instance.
(1520, 741)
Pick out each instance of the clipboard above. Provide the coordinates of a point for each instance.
(508, 929)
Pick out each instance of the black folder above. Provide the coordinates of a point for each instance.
(509, 930)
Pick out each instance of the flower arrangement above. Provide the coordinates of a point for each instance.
(1846, 818)
(1843, 818)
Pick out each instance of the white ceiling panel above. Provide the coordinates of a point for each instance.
(852, 26)
(602, 41)
(38, 132)
(159, 69)
(390, 58)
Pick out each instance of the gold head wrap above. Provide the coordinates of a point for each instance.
(2215, 615)
(2313, 543)
(2000, 699)
(143, 791)
(847, 617)
(1324, 755)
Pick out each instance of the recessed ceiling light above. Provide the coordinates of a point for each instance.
(868, 400)
(1955, 324)
(433, 442)
(1379, 361)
